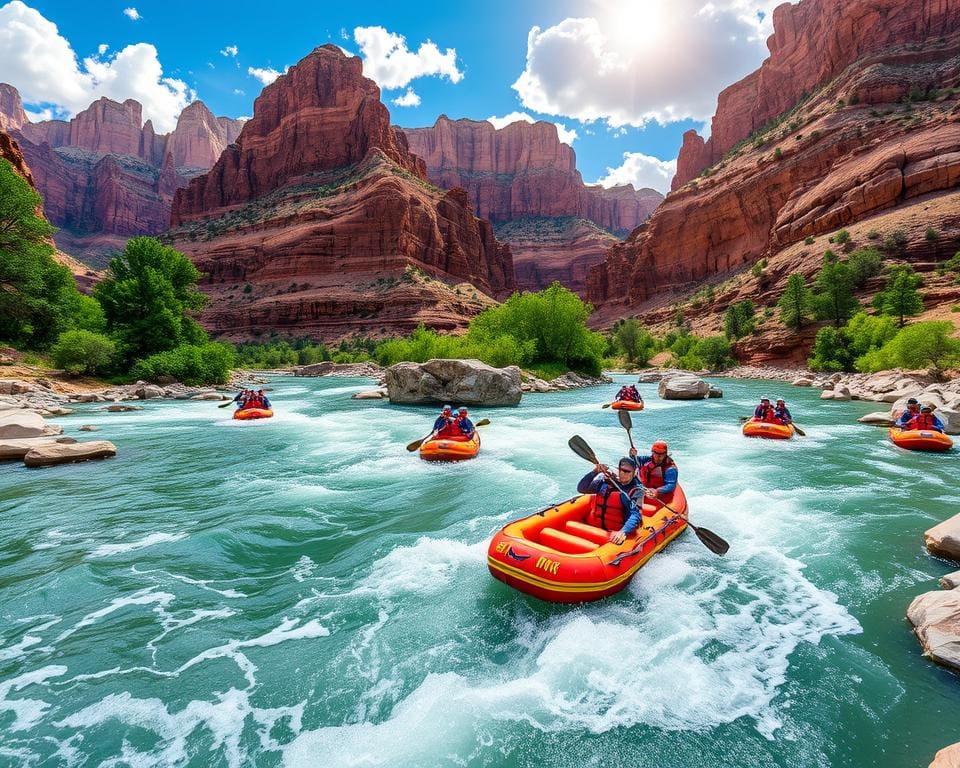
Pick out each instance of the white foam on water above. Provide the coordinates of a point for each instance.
(201, 583)
(19, 649)
(27, 712)
(159, 601)
(108, 550)
(425, 567)
(303, 569)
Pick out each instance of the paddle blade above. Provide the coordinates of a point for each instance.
(711, 541)
(744, 418)
(606, 405)
(482, 423)
(625, 421)
(799, 431)
(579, 446)
(414, 445)
(229, 402)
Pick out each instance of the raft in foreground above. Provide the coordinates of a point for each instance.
(245, 414)
(626, 405)
(769, 430)
(555, 556)
(450, 449)
(921, 439)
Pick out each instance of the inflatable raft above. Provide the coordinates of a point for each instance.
(450, 448)
(921, 439)
(754, 428)
(253, 413)
(555, 556)
(626, 405)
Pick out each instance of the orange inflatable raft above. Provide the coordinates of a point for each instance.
(626, 405)
(555, 556)
(253, 413)
(921, 439)
(450, 448)
(754, 428)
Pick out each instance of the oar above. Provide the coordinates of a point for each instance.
(627, 423)
(417, 443)
(229, 402)
(795, 427)
(606, 405)
(710, 540)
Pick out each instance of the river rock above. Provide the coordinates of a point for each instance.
(936, 621)
(459, 382)
(15, 387)
(877, 418)
(943, 540)
(18, 448)
(89, 428)
(715, 391)
(948, 757)
(23, 423)
(123, 408)
(149, 392)
(683, 386)
(951, 580)
(802, 382)
(60, 411)
(652, 377)
(208, 396)
(51, 454)
(327, 368)
(370, 394)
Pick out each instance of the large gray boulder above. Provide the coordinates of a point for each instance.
(21, 423)
(57, 453)
(458, 382)
(936, 621)
(943, 540)
(683, 386)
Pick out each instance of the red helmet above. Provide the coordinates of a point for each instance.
(659, 447)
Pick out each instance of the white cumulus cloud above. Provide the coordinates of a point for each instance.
(408, 99)
(37, 60)
(230, 50)
(132, 13)
(567, 135)
(265, 75)
(102, 48)
(636, 62)
(642, 171)
(389, 63)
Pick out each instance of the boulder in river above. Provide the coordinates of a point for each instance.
(877, 418)
(458, 382)
(23, 423)
(948, 757)
(936, 621)
(50, 454)
(17, 448)
(943, 540)
(683, 386)
(369, 394)
(951, 580)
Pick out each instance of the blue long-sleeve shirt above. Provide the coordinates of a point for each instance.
(466, 426)
(782, 413)
(937, 424)
(440, 423)
(595, 483)
(266, 402)
(670, 476)
(905, 417)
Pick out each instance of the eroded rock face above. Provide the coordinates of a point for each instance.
(320, 221)
(458, 382)
(936, 620)
(943, 540)
(51, 454)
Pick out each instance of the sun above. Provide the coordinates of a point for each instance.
(633, 23)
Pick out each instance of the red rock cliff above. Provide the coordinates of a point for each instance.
(320, 221)
(812, 42)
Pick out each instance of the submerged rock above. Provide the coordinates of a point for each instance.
(370, 394)
(936, 620)
(51, 454)
(458, 382)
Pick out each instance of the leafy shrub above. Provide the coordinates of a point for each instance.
(808, 240)
(192, 364)
(82, 351)
(932, 235)
(739, 319)
(777, 153)
(921, 345)
(895, 242)
(843, 236)
(873, 235)
(830, 351)
(864, 264)
(714, 351)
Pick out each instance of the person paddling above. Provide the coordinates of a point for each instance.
(658, 472)
(925, 420)
(445, 417)
(264, 400)
(241, 399)
(913, 410)
(781, 414)
(463, 423)
(764, 411)
(612, 510)
(629, 393)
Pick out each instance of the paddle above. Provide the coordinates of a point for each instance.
(415, 445)
(606, 405)
(229, 402)
(710, 540)
(795, 427)
(627, 423)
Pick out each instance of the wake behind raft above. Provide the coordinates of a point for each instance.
(555, 556)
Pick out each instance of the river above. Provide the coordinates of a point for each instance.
(302, 591)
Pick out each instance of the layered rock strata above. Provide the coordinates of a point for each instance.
(525, 181)
(320, 221)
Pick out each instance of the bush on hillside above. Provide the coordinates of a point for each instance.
(864, 263)
(78, 352)
(191, 364)
(922, 345)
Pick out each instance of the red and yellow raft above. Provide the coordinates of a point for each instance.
(921, 439)
(554, 555)
(450, 448)
(769, 430)
(245, 414)
(626, 405)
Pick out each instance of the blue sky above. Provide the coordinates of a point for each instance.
(628, 76)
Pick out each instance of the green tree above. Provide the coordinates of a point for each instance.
(796, 303)
(738, 320)
(864, 263)
(830, 351)
(148, 297)
(865, 333)
(193, 364)
(833, 298)
(714, 351)
(80, 351)
(900, 298)
(626, 333)
(921, 345)
(38, 297)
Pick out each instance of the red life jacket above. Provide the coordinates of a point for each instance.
(921, 421)
(254, 402)
(651, 475)
(607, 510)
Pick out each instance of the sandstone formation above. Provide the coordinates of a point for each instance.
(683, 386)
(872, 147)
(18, 424)
(51, 454)
(525, 181)
(948, 757)
(936, 620)
(106, 175)
(319, 220)
(458, 382)
(943, 540)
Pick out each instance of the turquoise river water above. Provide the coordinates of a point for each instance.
(304, 592)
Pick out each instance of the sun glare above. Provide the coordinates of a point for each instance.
(633, 22)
